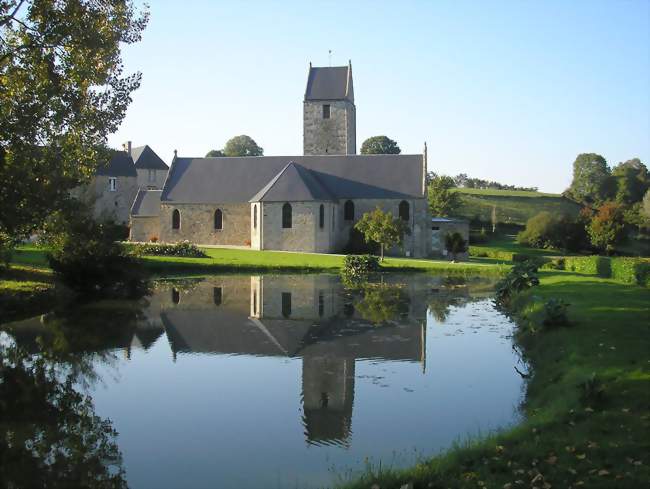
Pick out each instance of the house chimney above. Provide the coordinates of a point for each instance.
(127, 147)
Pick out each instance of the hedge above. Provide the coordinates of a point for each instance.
(504, 255)
(592, 265)
(631, 270)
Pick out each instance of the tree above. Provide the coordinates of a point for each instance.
(242, 146)
(381, 227)
(215, 153)
(606, 227)
(590, 177)
(645, 210)
(380, 145)
(454, 244)
(443, 198)
(631, 181)
(62, 91)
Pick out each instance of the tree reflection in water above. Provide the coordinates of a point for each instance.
(50, 435)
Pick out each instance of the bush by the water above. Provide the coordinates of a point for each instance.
(555, 312)
(454, 244)
(182, 248)
(522, 276)
(357, 268)
(87, 256)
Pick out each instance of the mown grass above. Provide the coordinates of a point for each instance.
(587, 407)
(25, 291)
(512, 207)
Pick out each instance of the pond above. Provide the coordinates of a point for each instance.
(277, 381)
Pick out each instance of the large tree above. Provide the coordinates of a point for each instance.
(606, 227)
(62, 91)
(443, 197)
(214, 153)
(590, 178)
(380, 145)
(242, 146)
(631, 181)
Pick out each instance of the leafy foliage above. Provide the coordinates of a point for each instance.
(357, 268)
(454, 244)
(606, 227)
(242, 146)
(357, 244)
(381, 227)
(522, 276)
(382, 303)
(182, 248)
(443, 199)
(463, 181)
(62, 91)
(592, 265)
(380, 145)
(546, 230)
(590, 178)
(631, 181)
(214, 153)
(86, 256)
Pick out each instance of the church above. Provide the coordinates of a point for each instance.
(307, 203)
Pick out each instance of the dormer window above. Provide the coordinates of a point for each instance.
(112, 184)
(326, 111)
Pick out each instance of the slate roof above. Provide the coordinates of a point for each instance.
(146, 203)
(295, 183)
(146, 158)
(330, 83)
(238, 180)
(120, 165)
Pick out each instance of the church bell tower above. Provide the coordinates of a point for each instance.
(329, 113)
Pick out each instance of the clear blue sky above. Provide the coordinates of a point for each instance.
(509, 91)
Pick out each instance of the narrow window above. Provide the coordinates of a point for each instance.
(321, 304)
(404, 210)
(152, 176)
(348, 211)
(321, 216)
(176, 296)
(254, 303)
(176, 219)
(218, 220)
(217, 294)
(286, 304)
(254, 217)
(326, 111)
(286, 216)
(112, 184)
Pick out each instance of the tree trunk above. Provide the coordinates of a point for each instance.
(382, 253)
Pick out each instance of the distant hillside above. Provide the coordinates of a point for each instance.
(512, 206)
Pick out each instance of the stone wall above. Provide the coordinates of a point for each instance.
(158, 181)
(143, 228)
(336, 135)
(444, 228)
(197, 224)
(106, 204)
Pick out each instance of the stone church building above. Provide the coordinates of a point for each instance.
(304, 203)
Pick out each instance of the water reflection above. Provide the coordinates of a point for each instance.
(306, 319)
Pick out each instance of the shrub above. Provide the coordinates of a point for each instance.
(6, 250)
(522, 276)
(606, 227)
(454, 244)
(555, 312)
(182, 249)
(545, 230)
(357, 243)
(357, 268)
(591, 265)
(539, 232)
(86, 256)
(554, 264)
(491, 253)
(631, 270)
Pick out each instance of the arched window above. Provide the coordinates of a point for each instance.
(254, 217)
(321, 216)
(348, 211)
(286, 216)
(286, 304)
(217, 295)
(176, 219)
(218, 219)
(404, 210)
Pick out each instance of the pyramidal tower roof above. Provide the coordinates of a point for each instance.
(330, 83)
(294, 183)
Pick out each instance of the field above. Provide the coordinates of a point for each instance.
(512, 207)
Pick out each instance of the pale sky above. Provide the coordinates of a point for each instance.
(509, 91)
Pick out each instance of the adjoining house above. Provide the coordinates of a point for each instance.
(295, 203)
(114, 188)
(440, 228)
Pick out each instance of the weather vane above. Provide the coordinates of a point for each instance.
(330, 56)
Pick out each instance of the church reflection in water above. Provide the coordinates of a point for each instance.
(311, 317)
(308, 317)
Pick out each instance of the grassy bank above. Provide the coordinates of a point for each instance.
(587, 408)
(232, 260)
(25, 291)
(512, 207)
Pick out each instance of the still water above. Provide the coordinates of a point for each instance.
(277, 381)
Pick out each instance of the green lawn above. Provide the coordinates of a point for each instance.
(587, 408)
(25, 291)
(512, 207)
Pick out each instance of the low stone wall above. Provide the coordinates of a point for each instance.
(144, 228)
